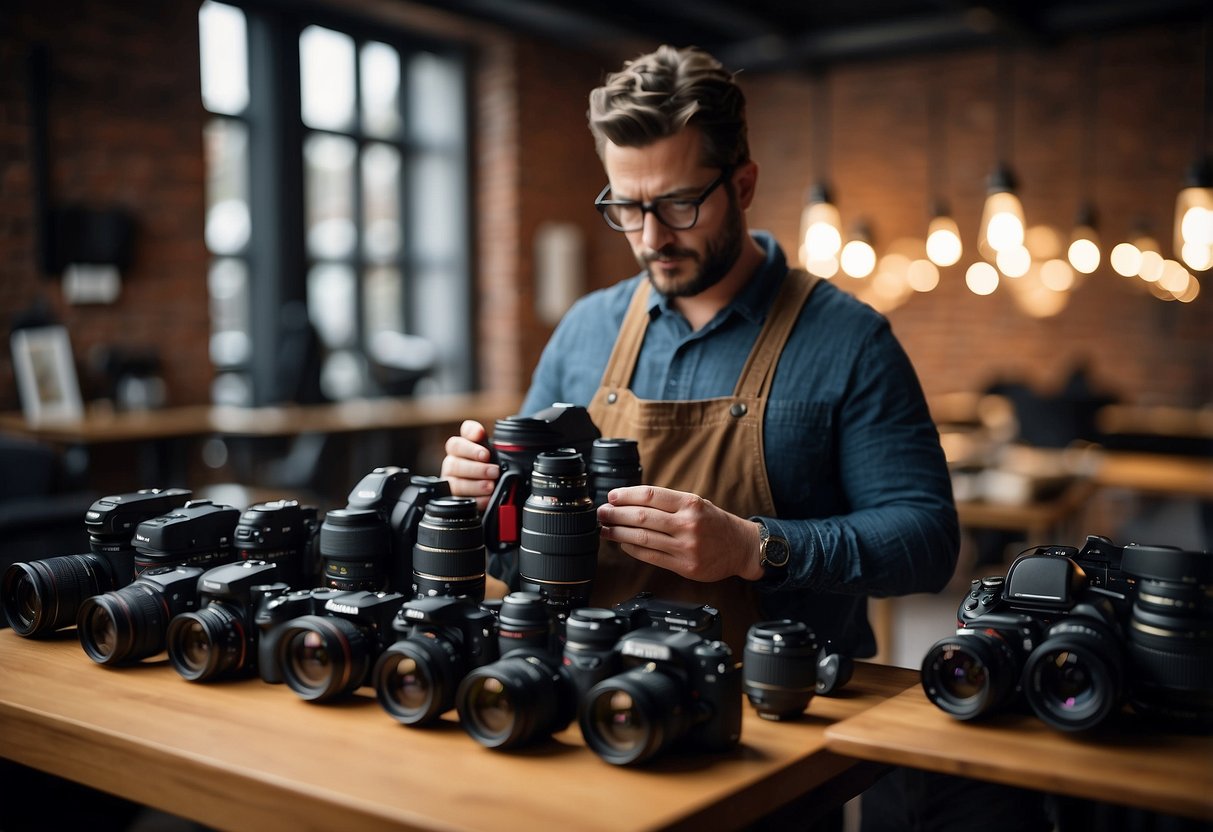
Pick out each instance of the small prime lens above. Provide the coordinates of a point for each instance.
(207, 643)
(45, 595)
(780, 668)
(449, 557)
(1072, 679)
(632, 717)
(558, 556)
(969, 675)
(613, 463)
(524, 622)
(514, 701)
(323, 657)
(355, 545)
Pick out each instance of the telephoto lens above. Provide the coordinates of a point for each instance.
(449, 558)
(441, 640)
(559, 553)
(45, 595)
(354, 550)
(1170, 634)
(613, 463)
(404, 523)
(220, 638)
(129, 624)
(525, 695)
(779, 668)
(281, 532)
(1073, 679)
(200, 533)
(325, 656)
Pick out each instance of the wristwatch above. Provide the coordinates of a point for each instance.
(773, 553)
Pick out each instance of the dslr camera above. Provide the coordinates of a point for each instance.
(284, 533)
(1047, 635)
(368, 545)
(676, 688)
(45, 595)
(220, 638)
(200, 533)
(274, 612)
(440, 640)
(329, 654)
(130, 624)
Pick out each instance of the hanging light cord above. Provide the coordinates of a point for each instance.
(937, 141)
(1089, 144)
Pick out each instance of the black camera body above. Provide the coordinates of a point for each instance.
(45, 595)
(220, 637)
(440, 639)
(200, 533)
(1047, 636)
(129, 624)
(368, 545)
(284, 533)
(274, 612)
(676, 688)
(331, 653)
(643, 611)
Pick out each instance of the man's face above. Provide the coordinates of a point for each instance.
(679, 263)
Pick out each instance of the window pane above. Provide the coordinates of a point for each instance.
(223, 44)
(329, 172)
(326, 77)
(435, 100)
(227, 211)
(343, 375)
(227, 283)
(380, 65)
(436, 206)
(381, 202)
(332, 304)
(383, 300)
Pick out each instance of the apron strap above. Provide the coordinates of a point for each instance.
(622, 363)
(755, 378)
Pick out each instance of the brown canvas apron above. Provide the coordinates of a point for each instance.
(709, 447)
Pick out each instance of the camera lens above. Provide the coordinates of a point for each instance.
(514, 701)
(524, 622)
(589, 647)
(121, 626)
(323, 657)
(354, 548)
(970, 675)
(613, 463)
(415, 679)
(1072, 679)
(205, 644)
(633, 716)
(45, 595)
(449, 556)
(559, 552)
(1170, 634)
(780, 668)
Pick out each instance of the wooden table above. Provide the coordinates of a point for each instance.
(254, 756)
(1161, 474)
(1126, 762)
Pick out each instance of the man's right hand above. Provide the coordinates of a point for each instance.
(466, 465)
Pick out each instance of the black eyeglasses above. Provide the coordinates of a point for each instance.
(674, 212)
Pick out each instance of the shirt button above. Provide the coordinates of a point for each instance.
(737, 410)
(612, 398)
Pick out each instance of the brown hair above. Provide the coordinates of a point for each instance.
(657, 95)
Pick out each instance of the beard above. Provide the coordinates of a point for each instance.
(716, 261)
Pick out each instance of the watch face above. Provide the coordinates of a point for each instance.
(775, 551)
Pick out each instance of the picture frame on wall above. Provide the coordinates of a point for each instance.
(46, 374)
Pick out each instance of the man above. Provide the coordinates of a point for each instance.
(792, 468)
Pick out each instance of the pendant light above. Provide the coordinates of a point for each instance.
(1194, 206)
(1083, 253)
(943, 236)
(1002, 220)
(820, 223)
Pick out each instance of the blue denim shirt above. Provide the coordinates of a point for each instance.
(860, 484)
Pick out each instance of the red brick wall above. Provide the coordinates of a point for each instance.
(125, 129)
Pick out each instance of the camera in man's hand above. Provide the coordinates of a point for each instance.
(220, 638)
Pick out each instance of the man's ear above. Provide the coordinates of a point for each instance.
(745, 180)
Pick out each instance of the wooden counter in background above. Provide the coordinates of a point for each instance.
(249, 755)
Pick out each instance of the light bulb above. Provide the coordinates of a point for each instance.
(943, 241)
(858, 258)
(1014, 261)
(1083, 253)
(820, 228)
(1126, 259)
(981, 278)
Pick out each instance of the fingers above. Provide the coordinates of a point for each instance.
(466, 465)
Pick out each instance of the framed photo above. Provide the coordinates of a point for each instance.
(46, 374)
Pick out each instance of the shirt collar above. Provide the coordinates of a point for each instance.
(755, 298)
